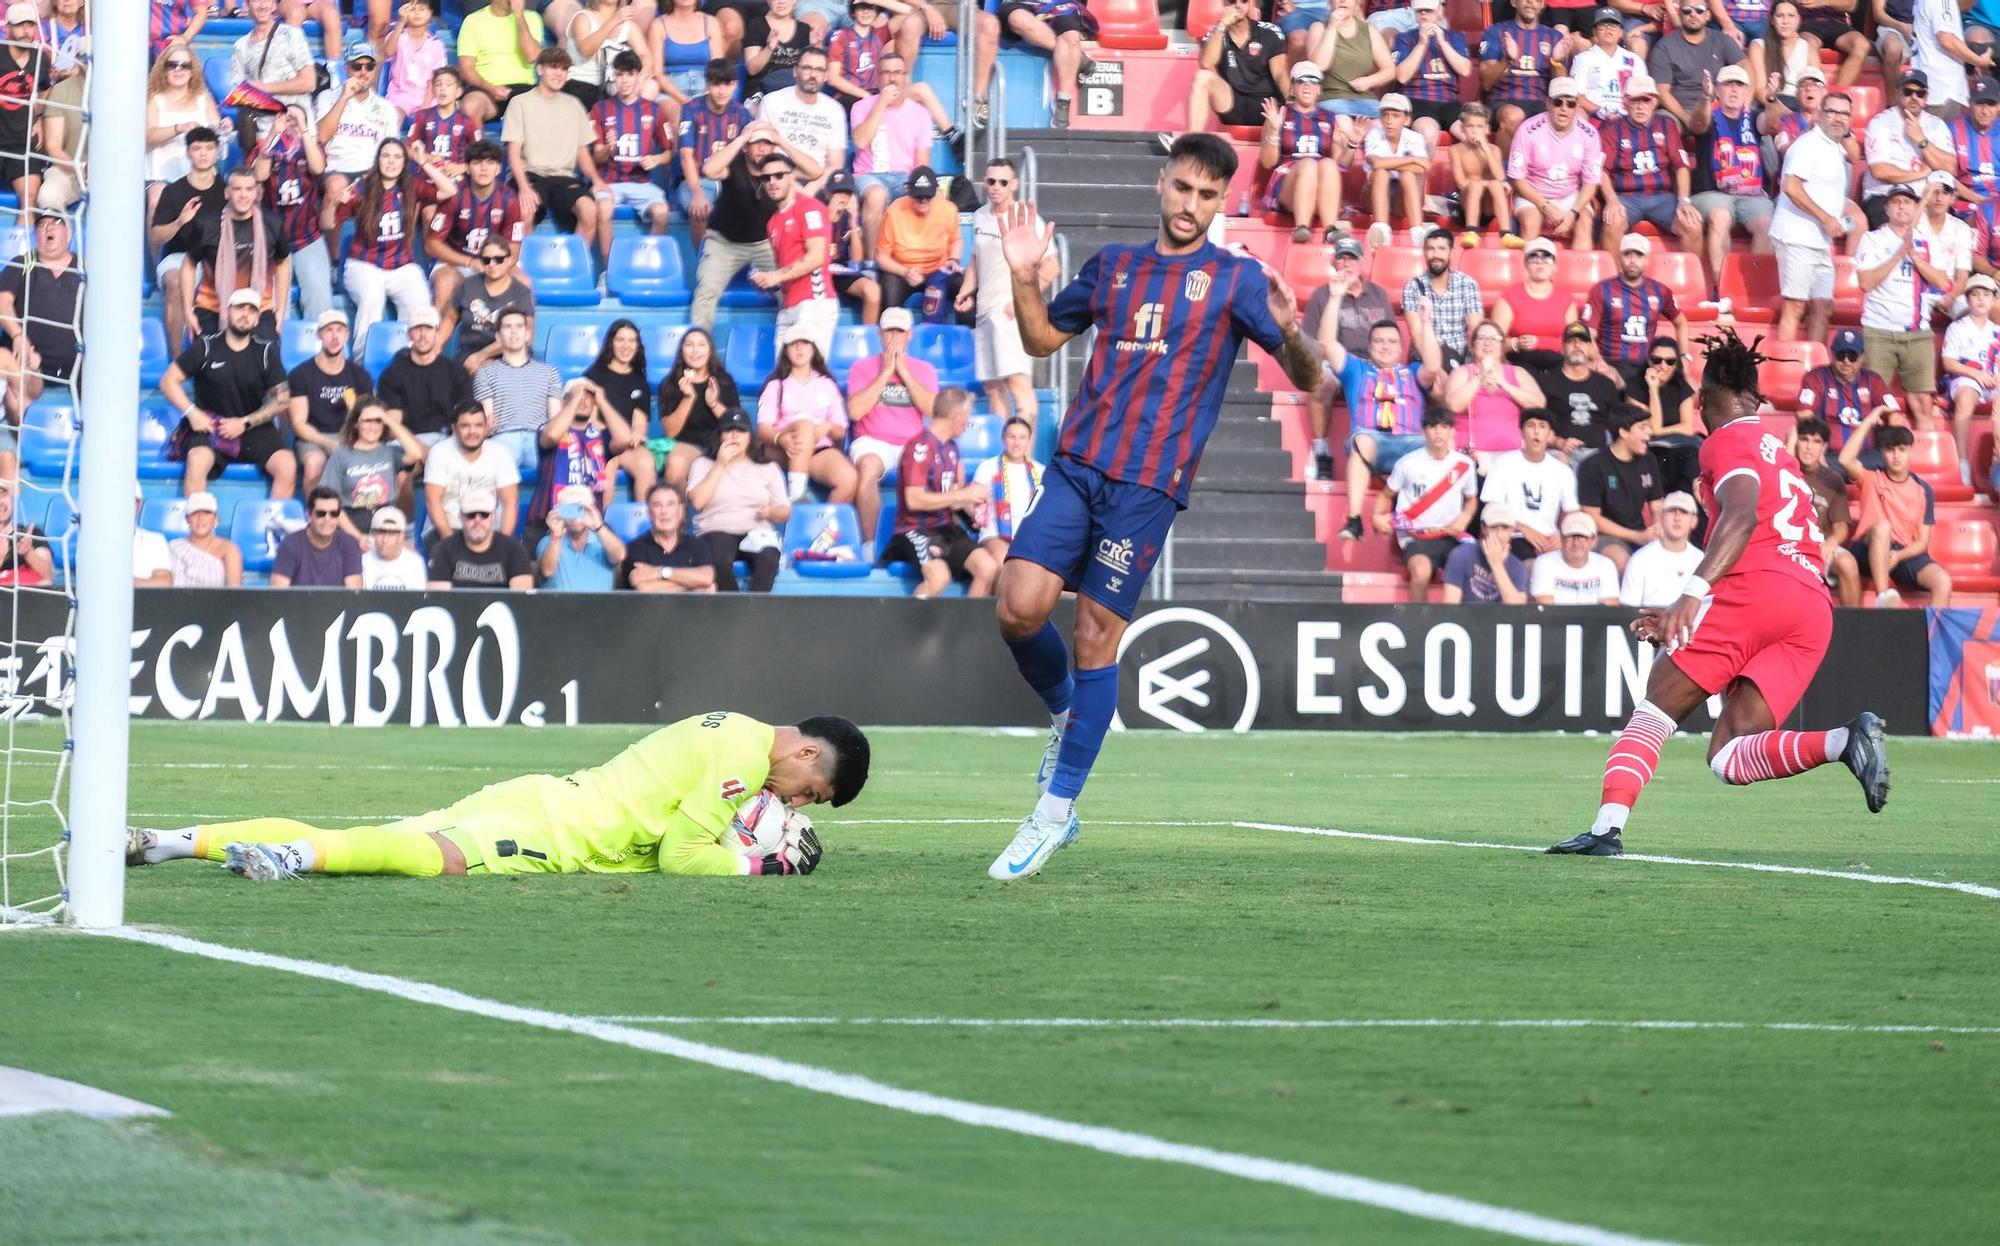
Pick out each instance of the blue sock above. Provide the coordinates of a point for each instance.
(1044, 663)
(1090, 712)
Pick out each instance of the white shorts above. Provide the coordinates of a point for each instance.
(1565, 203)
(633, 194)
(1958, 383)
(997, 350)
(1804, 273)
(167, 264)
(889, 453)
(817, 317)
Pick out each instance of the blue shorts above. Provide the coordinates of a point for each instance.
(1100, 535)
(683, 196)
(1658, 209)
(1388, 448)
(1302, 18)
(894, 185)
(1352, 108)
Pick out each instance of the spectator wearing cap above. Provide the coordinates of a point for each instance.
(477, 303)
(1481, 170)
(1517, 60)
(1355, 56)
(1386, 398)
(1657, 570)
(1556, 165)
(1298, 150)
(579, 552)
(478, 555)
(239, 392)
(370, 466)
(1620, 489)
(708, 123)
(1486, 571)
(1582, 392)
(204, 558)
(664, 560)
(1395, 156)
(497, 46)
(1972, 359)
(740, 233)
(1000, 361)
(920, 249)
(802, 414)
(1902, 146)
(1573, 574)
(28, 129)
(1628, 310)
(1245, 73)
(1896, 279)
(321, 554)
(152, 562)
(1784, 120)
(521, 393)
(1447, 298)
(1844, 393)
(1535, 487)
(353, 118)
(1429, 501)
(810, 118)
(324, 389)
(172, 229)
(851, 266)
(1781, 56)
(1646, 164)
(548, 137)
(1892, 534)
(275, 58)
(389, 562)
(1686, 61)
(1363, 305)
(1602, 70)
(1830, 508)
(1430, 60)
(41, 298)
(464, 465)
(421, 387)
(889, 396)
(1811, 212)
(1945, 239)
(893, 132)
(801, 245)
(1533, 311)
(740, 505)
(1059, 28)
(242, 247)
(1728, 173)
(1939, 51)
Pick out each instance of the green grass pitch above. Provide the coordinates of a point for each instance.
(308, 1112)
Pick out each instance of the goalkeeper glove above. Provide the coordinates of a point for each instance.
(795, 858)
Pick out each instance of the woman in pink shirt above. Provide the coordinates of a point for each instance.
(740, 505)
(804, 415)
(1494, 391)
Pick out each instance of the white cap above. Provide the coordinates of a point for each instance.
(388, 519)
(1577, 523)
(1640, 84)
(1939, 177)
(575, 495)
(1635, 242)
(203, 501)
(1733, 73)
(1396, 100)
(332, 315)
(1980, 281)
(803, 332)
(246, 297)
(23, 11)
(477, 500)
(1541, 246)
(1564, 86)
(1418, 6)
(895, 318)
(1498, 514)
(1680, 500)
(1813, 73)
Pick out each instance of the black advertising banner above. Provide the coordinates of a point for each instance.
(486, 659)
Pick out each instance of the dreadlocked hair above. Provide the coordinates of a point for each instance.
(1729, 364)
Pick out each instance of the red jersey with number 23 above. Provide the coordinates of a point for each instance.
(1787, 538)
(805, 219)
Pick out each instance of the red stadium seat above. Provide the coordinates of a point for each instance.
(1577, 271)
(1391, 266)
(1779, 380)
(1968, 548)
(1494, 268)
(1982, 455)
(1750, 283)
(1201, 17)
(1244, 133)
(1443, 177)
(1934, 456)
(1308, 266)
(1682, 273)
(1131, 25)
(1846, 291)
(1811, 354)
(1867, 101)
(1468, 18)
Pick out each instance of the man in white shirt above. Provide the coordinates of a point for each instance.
(1941, 53)
(464, 463)
(1576, 574)
(1535, 487)
(1812, 196)
(1902, 145)
(1947, 239)
(1429, 502)
(809, 119)
(999, 360)
(1655, 572)
(353, 120)
(388, 561)
(1972, 358)
(1602, 69)
(1892, 267)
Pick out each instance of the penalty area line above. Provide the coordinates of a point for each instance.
(1303, 1023)
(1327, 1183)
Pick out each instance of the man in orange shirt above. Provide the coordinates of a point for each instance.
(919, 238)
(1892, 538)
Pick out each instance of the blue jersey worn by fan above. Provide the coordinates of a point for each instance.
(1170, 316)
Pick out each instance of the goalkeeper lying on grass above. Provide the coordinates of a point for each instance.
(665, 804)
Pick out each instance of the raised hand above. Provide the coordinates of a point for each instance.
(1022, 240)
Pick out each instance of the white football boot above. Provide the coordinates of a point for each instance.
(1036, 841)
(261, 863)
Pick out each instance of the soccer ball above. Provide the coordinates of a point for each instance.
(764, 826)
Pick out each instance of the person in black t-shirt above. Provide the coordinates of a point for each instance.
(666, 559)
(39, 296)
(324, 389)
(173, 229)
(625, 402)
(476, 556)
(739, 224)
(420, 387)
(1235, 77)
(24, 92)
(239, 393)
(693, 396)
(1583, 393)
(1620, 488)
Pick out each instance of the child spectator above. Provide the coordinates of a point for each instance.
(415, 56)
(1480, 168)
(1892, 536)
(1395, 156)
(1428, 505)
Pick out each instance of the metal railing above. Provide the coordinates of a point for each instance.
(1059, 365)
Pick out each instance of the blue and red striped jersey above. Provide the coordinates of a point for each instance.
(444, 137)
(395, 242)
(1626, 318)
(633, 132)
(1842, 404)
(1978, 154)
(1641, 159)
(859, 56)
(703, 129)
(170, 18)
(466, 220)
(1304, 134)
(1529, 68)
(931, 464)
(1168, 327)
(292, 191)
(1435, 80)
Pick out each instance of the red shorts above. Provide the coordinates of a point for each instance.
(1767, 628)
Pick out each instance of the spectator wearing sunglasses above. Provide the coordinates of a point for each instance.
(1902, 146)
(1556, 163)
(1000, 361)
(1666, 395)
(479, 302)
(1846, 393)
(477, 556)
(1685, 62)
(319, 555)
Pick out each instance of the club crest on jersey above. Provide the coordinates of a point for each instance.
(1196, 286)
(733, 789)
(1117, 555)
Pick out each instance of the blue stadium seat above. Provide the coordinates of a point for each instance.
(648, 271)
(629, 520)
(663, 346)
(740, 293)
(385, 338)
(216, 69)
(809, 520)
(157, 421)
(852, 343)
(572, 347)
(749, 355)
(58, 518)
(15, 241)
(166, 516)
(948, 348)
(981, 442)
(298, 342)
(258, 525)
(561, 268)
(154, 357)
(48, 429)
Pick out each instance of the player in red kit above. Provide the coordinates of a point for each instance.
(1752, 622)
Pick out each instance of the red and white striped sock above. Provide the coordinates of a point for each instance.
(1634, 757)
(1776, 754)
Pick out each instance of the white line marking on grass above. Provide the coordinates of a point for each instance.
(1971, 889)
(1346, 1187)
(1292, 1023)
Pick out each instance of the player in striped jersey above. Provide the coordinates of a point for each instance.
(443, 131)
(289, 162)
(633, 139)
(1169, 316)
(1625, 312)
(482, 207)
